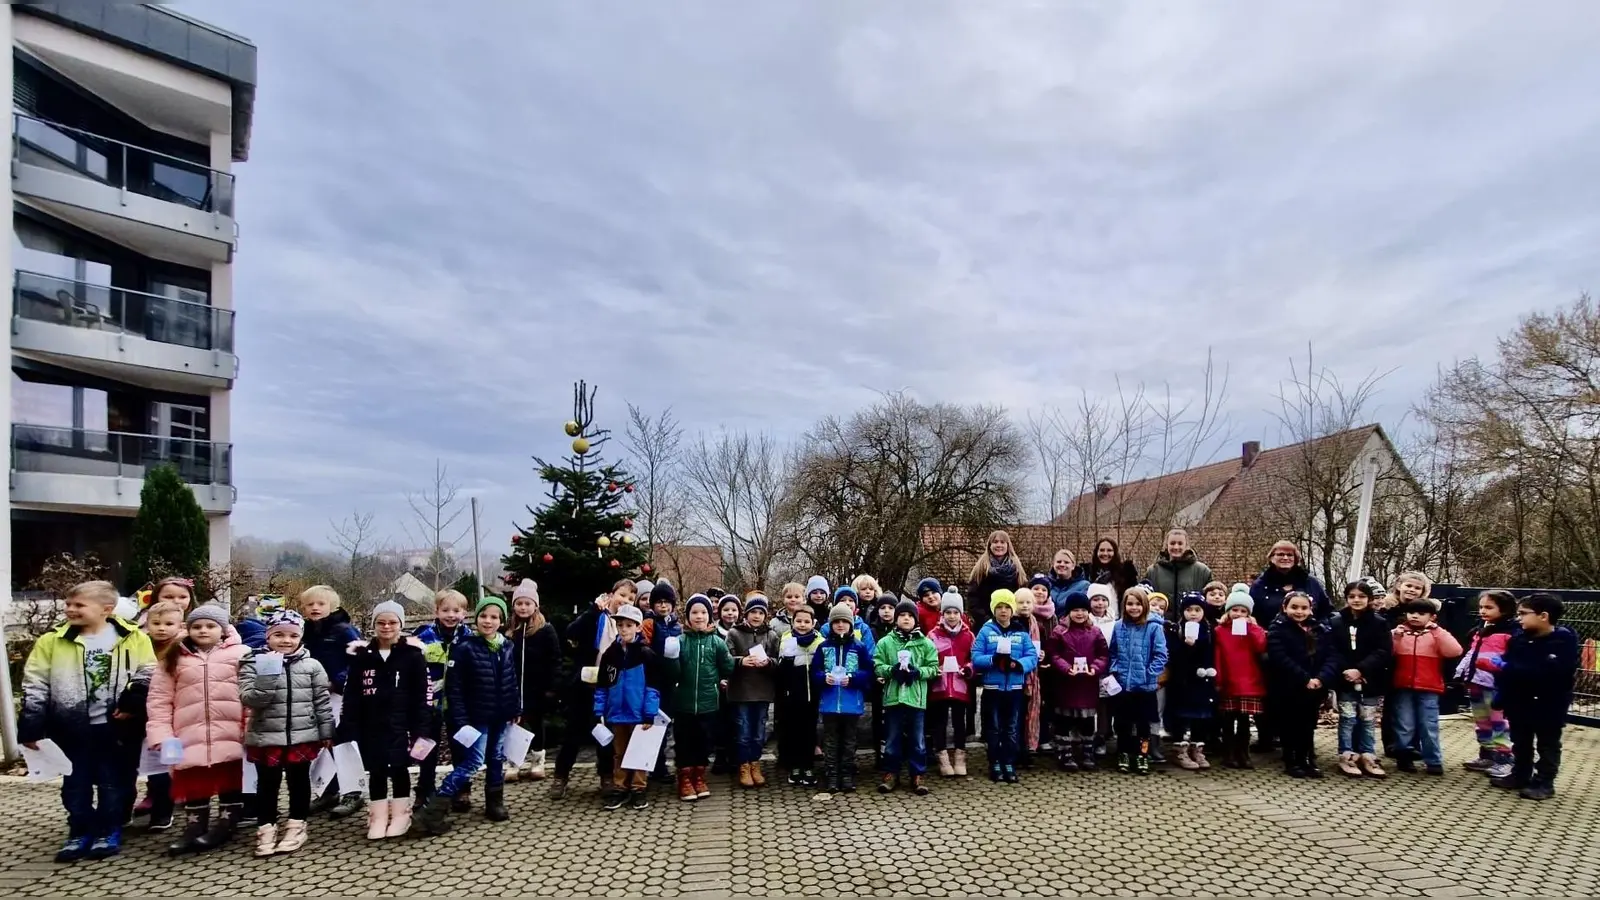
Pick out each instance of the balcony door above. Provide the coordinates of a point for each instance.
(181, 436)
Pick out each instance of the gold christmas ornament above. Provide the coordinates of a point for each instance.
(627, 539)
(604, 541)
(580, 446)
(572, 429)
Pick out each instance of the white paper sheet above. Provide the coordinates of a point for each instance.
(150, 763)
(663, 719)
(589, 674)
(248, 783)
(904, 658)
(949, 665)
(466, 736)
(338, 707)
(347, 761)
(47, 762)
(269, 663)
(1106, 628)
(1002, 647)
(643, 748)
(803, 660)
(786, 647)
(1080, 664)
(757, 651)
(1191, 631)
(171, 751)
(602, 735)
(1110, 686)
(839, 675)
(323, 770)
(516, 744)
(422, 747)
(1240, 627)
(671, 647)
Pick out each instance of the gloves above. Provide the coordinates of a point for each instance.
(906, 676)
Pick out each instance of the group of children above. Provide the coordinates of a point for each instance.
(267, 700)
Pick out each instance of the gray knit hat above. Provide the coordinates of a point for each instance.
(209, 611)
(951, 600)
(392, 607)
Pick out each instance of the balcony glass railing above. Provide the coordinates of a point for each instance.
(62, 301)
(121, 165)
(73, 451)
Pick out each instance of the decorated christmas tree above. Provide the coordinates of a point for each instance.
(581, 539)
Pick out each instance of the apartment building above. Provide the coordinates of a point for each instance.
(126, 120)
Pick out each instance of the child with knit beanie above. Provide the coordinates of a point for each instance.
(385, 711)
(796, 707)
(950, 692)
(929, 595)
(1101, 599)
(1241, 684)
(1191, 682)
(1005, 654)
(291, 721)
(480, 699)
(818, 595)
(1079, 655)
(843, 668)
(1044, 618)
(1032, 703)
(702, 665)
(753, 686)
(904, 661)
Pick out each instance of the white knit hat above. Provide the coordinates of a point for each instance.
(527, 588)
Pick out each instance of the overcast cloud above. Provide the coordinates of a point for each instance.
(759, 213)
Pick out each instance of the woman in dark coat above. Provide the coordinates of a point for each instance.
(385, 710)
(536, 655)
(1106, 566)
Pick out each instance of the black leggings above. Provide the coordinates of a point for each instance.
(696, 735)
(580, 724)
(269, 778)
(951, 715)
(1132, 712)
(382, 777)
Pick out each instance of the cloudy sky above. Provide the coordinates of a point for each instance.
(759, 213)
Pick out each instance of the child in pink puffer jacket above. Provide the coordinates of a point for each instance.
(194, 698)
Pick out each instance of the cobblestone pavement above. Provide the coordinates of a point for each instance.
(1173, 833)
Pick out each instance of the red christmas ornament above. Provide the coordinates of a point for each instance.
(516, 539)
(645, 568)
(615, 564)
(629, 488)
(612, 487)
(549, 559)
(627, 523)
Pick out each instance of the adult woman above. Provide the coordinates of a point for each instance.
(1108, 567)
(1066, 577)
(1284, 574)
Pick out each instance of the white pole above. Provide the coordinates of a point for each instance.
(477, 556)
(8, 718)
(1358, 552)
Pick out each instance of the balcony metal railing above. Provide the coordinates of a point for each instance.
(62, 301)
(74, 451)
(121, 165)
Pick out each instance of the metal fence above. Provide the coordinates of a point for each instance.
(1581, 614)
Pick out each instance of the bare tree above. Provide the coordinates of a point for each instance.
(655, 444)
(738, 485)
(39, 608)
(436, 527)
(363, 572)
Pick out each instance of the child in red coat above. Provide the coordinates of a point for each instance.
(950, 692)
(1241, 685)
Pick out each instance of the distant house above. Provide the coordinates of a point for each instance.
(691, 568)
(419, 597)
(1235, 509)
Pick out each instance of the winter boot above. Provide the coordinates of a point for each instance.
(399, 817)
(919, 786)
(1085, 756)
(292, 838)
(746, 780)
(995, 772)
(1010, 776)
(1348, 764)
(1124, 763)
(377, 819)
(945, 768)
(1403, 762)
(558, 788)
(1370, 767)
(1067, 754)
(1181, 756)
(958, 763)
(1538, 790)
(686, 786)
(757, 777)
(512, 773)
(1308, 762)
(494, 805)
(463, 801)
(222, 827)
(348, 805)
(701, 789)
(1197, 752)
(266, 840)
(1141, 763)
(434, 817)
(1241, 749)
(196, 821)
(536, 766)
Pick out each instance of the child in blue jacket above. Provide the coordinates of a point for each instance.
(843, 666)
(1005, 654)
(1138, 657)
(628, 695)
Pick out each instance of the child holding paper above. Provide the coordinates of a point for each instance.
(163, 622)
(291, 721)
(904, 661)
(627, 697)
(1079, 654)
(753, 687)
(438, 638)
(195, 704)
(536, 653)
(703, 664)
(950, 692)
(1241, 685)
(844, 668)
(328, 634)
(1005, 655)
(1191, 683)
(480, 703)
(729, 611)
(385, 711)
(797, 698)
(1138, 657)
(80, 679)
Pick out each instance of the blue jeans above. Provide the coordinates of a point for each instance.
(907, 742)
(1002, 725)
(1416, 721)
(99, 767)
(750, 730)
(488, 744)
(1358, 713)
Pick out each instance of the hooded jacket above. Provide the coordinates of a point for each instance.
(1239, 659)
(1191, 689)
(1486, 654)
(1020, 662)
(1067, 643)
(958, 645)
(288, 708)
(437, 642)
(1362, 641)
(1176, 577)
(482, 688)
(753, 684)
(1138, 653)
(55, 686)
(794, 672)
(703, 662)
(198, 703)
(923, 661)
(536, 655)
(1419, 657)
(385, 702)
(1537, 675)
(1061, 587)
(849, 654)
(327, 639)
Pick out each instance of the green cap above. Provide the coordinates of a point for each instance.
(491, 600)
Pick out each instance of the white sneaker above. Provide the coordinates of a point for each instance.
(1500, 770)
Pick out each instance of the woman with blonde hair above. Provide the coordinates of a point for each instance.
(998, 569)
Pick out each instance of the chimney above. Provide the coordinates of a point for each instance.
(1252, 449)
(1103, 490)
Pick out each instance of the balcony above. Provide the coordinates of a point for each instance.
(147, 339)
(162, 206)
(68, 469)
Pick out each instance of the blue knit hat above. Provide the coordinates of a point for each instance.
(1077, 600)
(1039, 581)
(756, 601)
(1192, 598)
(699, 600)
(929, 584)
(846, 591)
(816, 583)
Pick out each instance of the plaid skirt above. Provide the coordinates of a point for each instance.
(1254, 706)
(278, 757)
(205, 782)
(1075, 713)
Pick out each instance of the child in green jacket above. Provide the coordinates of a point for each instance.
(702, 665)
(905, 661)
